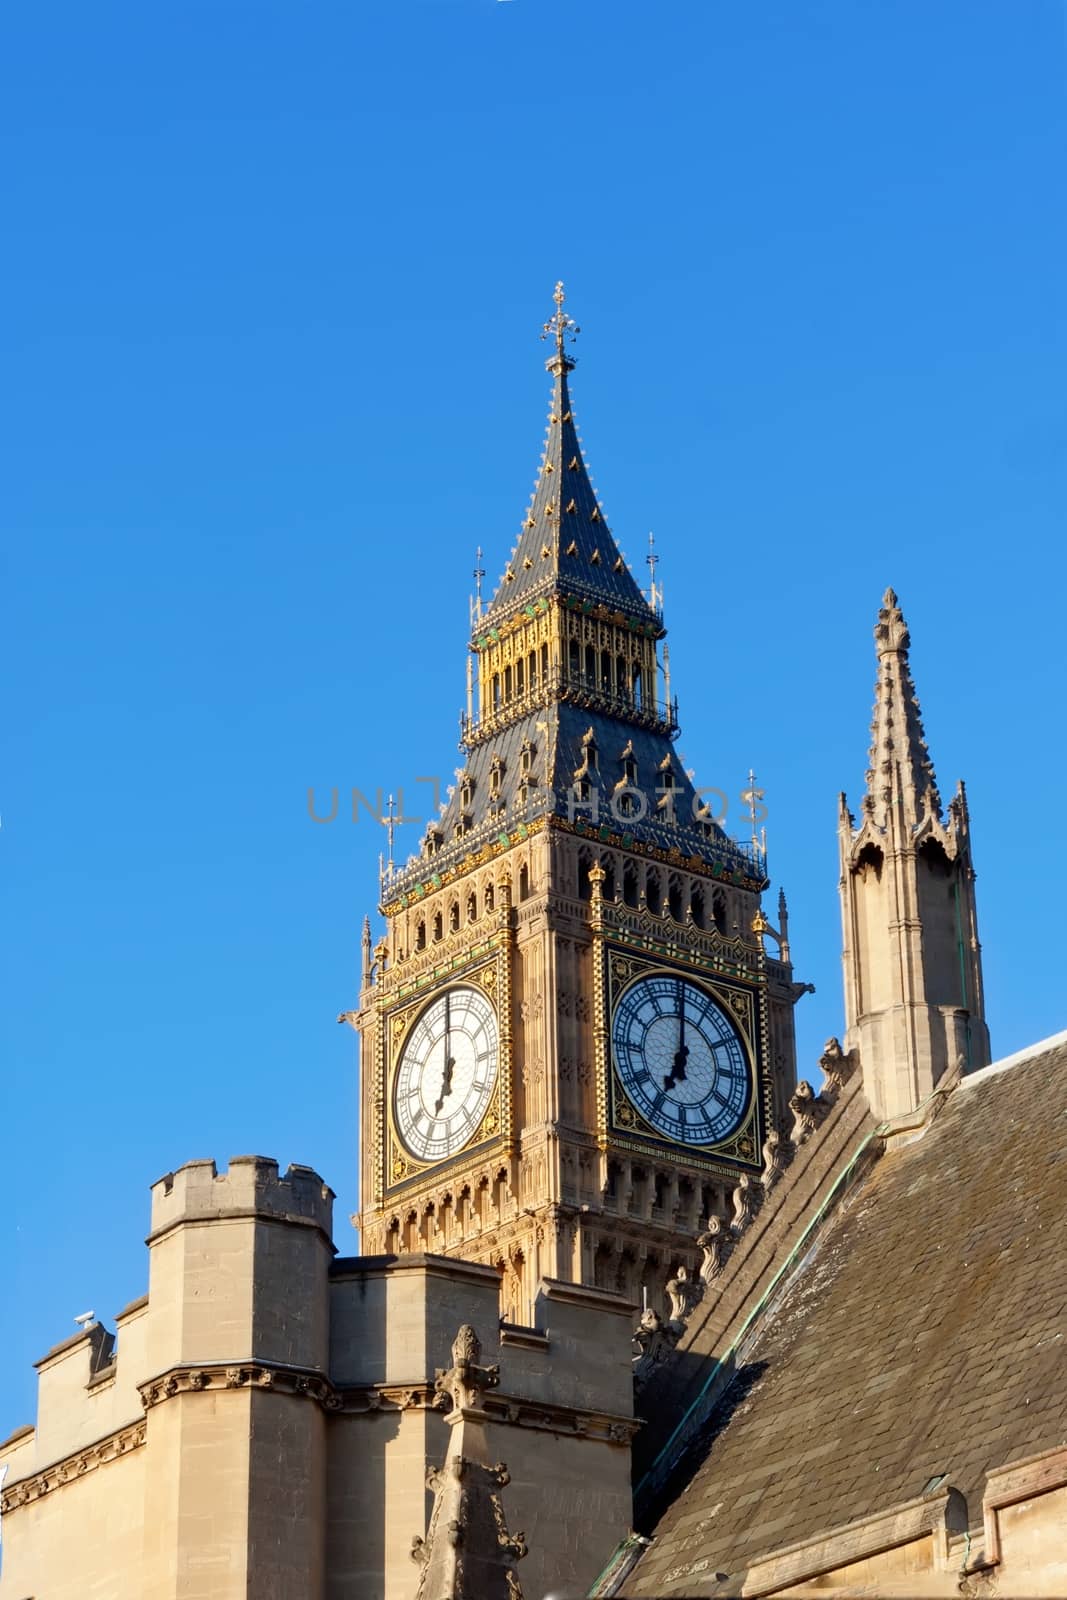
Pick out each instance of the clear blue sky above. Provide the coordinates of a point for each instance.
(273, 275)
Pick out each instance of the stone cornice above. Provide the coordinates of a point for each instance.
(721, 861)
(196, 1377)
(98, 1454)
(364, 1399)
(582, 1294)
(197, 1219)
(426, 1261)
(603, 1426)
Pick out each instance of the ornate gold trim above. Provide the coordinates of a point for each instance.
(503, 1000)
(399, 1166)
(601, 1021)
(618, 838)
(490, 850)
(740, 1001)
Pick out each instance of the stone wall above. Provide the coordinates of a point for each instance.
(265, 1421)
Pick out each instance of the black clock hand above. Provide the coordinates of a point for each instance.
(681, 1055)
(446, 1077)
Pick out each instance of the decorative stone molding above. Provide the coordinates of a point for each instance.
(463, 1383)
(279, 1379)
(387, 1398)
(598, 1426)
(468, 1549)
(241, 1375)
(25, 1490)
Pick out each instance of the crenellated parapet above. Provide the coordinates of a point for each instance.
(250, 1187)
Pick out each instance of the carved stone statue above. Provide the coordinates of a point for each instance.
(773, 1160)
(802, 1104)
(715, 1243)
(654, 1340)
(836, 1066)
(744, 1205)
(683, 1293)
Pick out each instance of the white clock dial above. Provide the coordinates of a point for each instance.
(446, 1074)
(681, 1060)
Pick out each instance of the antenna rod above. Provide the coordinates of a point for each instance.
(479, 574)
(390, 828)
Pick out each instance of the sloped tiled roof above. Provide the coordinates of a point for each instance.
(924, 1336)
(555, 734)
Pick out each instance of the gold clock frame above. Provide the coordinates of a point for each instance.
(623, 1123)
(401, 1169)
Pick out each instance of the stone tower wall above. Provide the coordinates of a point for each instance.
(265, 1422)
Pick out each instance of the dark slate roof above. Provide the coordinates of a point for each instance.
(556, 733)
(565, 513)
(923, 1336)
(566, 548)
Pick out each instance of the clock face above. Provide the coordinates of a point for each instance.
(446, 1074)
(681, 1060)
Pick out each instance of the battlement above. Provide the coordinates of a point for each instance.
(251, 1187)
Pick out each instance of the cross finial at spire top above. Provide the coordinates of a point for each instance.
(560, 327)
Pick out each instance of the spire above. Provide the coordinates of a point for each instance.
(565, 545)
(563, 715)
(365, 970)
(914, 1007)
(900, 773)
(468, 1552)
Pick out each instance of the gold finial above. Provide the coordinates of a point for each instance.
(560, 327)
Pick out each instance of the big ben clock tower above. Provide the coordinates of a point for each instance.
(574, 1036)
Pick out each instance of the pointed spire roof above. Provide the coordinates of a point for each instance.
(468, 1552)
(565, 545)
(900, 775)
